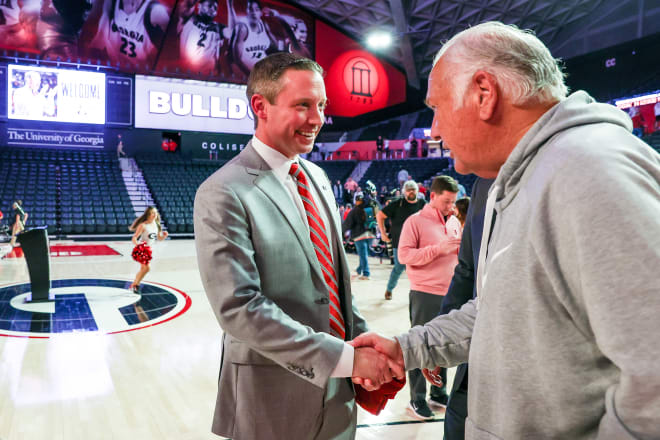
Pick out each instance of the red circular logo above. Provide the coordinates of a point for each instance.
(361, 77)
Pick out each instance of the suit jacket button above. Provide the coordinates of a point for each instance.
(322, 301)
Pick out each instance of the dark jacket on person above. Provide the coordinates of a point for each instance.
(355, 221)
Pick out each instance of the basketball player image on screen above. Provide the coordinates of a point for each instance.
(293, 29)
(130, 30)
(28, 98)
(300, 45)
(17, 23)
(252, 39)
(200, 37)
(59, 26)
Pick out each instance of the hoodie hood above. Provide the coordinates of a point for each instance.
(577, 109)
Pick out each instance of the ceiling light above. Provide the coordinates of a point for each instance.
(379, 40)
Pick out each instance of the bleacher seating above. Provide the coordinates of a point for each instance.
(337, 169)
(173, 181)
(384, 172)
(71, 191)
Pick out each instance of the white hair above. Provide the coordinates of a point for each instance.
(410, 184)
(523, 66)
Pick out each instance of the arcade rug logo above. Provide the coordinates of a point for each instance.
(88, 305)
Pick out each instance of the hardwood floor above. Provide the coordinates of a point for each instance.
(155, 377)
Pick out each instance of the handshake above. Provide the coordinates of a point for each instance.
(379, 359)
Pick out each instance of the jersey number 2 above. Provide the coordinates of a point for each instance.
(202, 37)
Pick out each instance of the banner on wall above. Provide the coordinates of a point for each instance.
(213, 146)
(204, 37)
(173, 104)
(36, 137)
(208, 39)
(124, 33)
(57, 95)
(356, 81)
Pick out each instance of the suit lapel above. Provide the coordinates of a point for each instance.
(279, 195)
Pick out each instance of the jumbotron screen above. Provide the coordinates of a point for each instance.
(57, 95)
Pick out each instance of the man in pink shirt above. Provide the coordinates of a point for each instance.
(429, 248)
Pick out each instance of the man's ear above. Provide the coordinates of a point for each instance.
(259, 105)
(487, 94)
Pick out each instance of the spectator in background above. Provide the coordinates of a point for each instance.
(383, 195)
(461, 192)
(356, 223)
(402, 176)
(422, 191)
(637, 120)
(398, 211)
(429, 248)
(656, 111)
(120, 147)
(338, 191)
(462, 206)
(18, 221)
(380, 147)
(347, 210)
(386, 148)
(425, 148)
(357, 193)
(351, 185)
(413, 146)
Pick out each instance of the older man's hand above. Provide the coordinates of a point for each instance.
(371, 369)
(387, 347)
(433, 376)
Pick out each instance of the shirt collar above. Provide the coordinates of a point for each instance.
(279, 163)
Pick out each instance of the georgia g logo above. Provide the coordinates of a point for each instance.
(88, 305)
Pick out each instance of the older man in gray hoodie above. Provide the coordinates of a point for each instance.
(562, 339)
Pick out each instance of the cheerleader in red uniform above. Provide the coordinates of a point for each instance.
(147, 230)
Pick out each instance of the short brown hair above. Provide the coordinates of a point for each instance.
(265, 75)
(444, 183)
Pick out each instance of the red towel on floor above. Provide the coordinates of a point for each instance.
(375, 401)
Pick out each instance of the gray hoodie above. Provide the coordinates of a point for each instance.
(565, 342)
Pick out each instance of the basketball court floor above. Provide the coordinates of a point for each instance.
(100, 362)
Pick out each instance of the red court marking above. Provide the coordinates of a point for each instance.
(61, 250)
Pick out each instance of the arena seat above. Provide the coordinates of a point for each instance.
(384, 172)
(337, 169)
(67, 190)
(175, 202)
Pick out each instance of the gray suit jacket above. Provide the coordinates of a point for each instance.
(265, 285)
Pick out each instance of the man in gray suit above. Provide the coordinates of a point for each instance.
(269, 247)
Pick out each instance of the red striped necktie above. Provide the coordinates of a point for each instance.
(321, 245)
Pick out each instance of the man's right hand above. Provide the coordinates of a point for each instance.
(386, 238)
(371, 367)
(449, 246)
(388, 347)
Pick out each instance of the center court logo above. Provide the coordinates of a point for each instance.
(88, 305)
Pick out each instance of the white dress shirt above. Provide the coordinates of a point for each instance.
(281, 165)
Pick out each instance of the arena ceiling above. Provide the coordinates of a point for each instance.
(568, 27)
